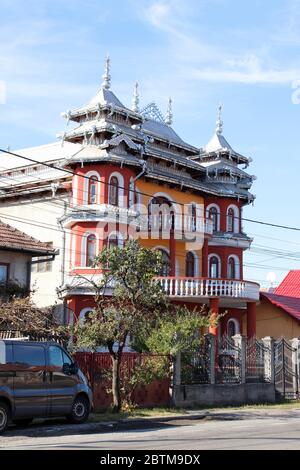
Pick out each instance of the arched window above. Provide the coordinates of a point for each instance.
(231, 268)
(132, 196)
(84, 315)
(214, 267)
(113, 241)
(230, 220)
(232, 327)
(192, 217)
(160, 215)
(90, 250)
(92, 196)
(113, 195)
(213, 215)
(165, 270)
(190, 264)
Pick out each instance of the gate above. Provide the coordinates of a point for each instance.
(228, 365)
(258, 364)
(286, 370)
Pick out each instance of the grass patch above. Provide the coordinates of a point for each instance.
(136, 413)
(143, 413)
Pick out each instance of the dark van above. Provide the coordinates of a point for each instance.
(39, 380)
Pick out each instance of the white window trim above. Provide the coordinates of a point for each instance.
(214, 255)
(237, 266)
(119, 238)
(218, 215)
(236, 324)
(236, 222)
(83, 248)
(85, 197)
(81, 316)
(120, 179)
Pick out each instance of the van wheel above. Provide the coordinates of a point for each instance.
(80, 410)
(22, 422)
(4, 416)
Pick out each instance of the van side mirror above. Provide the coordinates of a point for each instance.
(70, 369)
(74, 368)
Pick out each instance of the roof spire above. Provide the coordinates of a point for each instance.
(169, 114)
(219, 122)
(106, 75)
(136, 98)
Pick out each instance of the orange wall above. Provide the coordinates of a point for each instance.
(181, 198)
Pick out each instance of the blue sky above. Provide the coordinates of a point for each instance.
(199, 52)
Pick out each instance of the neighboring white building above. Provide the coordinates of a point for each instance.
(19, 253)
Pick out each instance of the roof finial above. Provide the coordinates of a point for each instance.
(169, 114)
(136, 98)
(106, 75)
(219, 123)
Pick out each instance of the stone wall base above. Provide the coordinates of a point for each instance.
(235, 394)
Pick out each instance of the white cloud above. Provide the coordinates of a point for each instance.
(199, 60)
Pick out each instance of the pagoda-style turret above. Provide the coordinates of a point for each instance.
(222, 164)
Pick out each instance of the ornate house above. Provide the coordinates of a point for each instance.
(121, 173)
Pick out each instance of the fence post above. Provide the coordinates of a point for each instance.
(240, 343)
(177, 369)
(269, 362)
(295, 343)
(211, 341)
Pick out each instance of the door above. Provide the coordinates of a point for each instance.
(62, 386)
(30, 388)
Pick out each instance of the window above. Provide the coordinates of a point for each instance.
(190, 264)
(132, 196)
(231, 268)
(232, 327)
(92, 196)
(90, 250)
(55, 356)
(113, 241)
(85, 315)
(42, 264)
(165, 269)
(213, 215)
(113, 197)
(160, 215)
(214, 267)
(3, 273)
(230, 220)
(5, 353)
(28, 355)
(192, 218)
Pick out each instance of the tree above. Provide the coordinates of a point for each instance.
(130, 305)
(130, 309)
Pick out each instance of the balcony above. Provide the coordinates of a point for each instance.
(99, 213)
(184, 225)
(232, 293)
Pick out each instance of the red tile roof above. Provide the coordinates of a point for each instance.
(290, 285)
(290, 305)
(13, 239)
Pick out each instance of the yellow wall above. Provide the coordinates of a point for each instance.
(273, 321)
(179, 197)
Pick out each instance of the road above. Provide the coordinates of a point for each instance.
(253, 429)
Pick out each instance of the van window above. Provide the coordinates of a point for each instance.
(55, 356)
(29, 355)
(5, 353)
(67, 359)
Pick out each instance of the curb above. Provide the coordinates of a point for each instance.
(39, 430)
